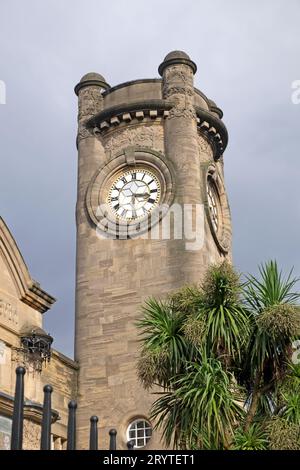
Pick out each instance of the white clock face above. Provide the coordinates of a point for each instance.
(213, 205)
(134, 194)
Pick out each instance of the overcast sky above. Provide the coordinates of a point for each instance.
(248, 55)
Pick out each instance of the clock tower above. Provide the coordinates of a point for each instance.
(152, 214)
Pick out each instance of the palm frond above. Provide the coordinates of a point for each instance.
(203, 399)
(254, 439)
(227, 320)
(165, 349)
(272, 288)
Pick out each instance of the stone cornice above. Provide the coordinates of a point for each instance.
(29, 290)
(176, 61)
(213, 129)
(86, 83)
(32, 410)
(126, 112)
(208, 123)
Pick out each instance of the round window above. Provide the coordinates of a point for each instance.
(140, 432)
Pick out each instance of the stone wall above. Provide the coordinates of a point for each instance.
(22, 304)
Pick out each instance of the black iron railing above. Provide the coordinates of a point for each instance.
(18, 417)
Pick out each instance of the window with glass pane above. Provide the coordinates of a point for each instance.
(139, 431)
(5, 432)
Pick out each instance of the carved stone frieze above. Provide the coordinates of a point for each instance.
(174, 90)
(144, 136)
(182, 111)
(205, 149)
(182, 73)
(31, 435)
(89, 103)
(178, 86)
(8, 313)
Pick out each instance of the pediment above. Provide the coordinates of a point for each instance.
(15, 273)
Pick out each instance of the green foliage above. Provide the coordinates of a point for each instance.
(213, 346)
(153, 367)
(291, 411)
(165, 349)
(289, 396)
(253, 439)
(275, 322)
(194, 329)
(227, 321)
(201, 409)
(283, 435)
(279, 321)
(271, 289)
(221, 286)
(187, 300)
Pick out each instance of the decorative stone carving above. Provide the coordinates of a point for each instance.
(182, 73)
(187, 90)
(178, 86)
(31, 435)
(8, 312)
(205, 149)
(89, 103)
(182, 111)
(151, 136)
(3, 350)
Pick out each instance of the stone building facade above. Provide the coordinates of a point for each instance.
(151, 215)
(22, 305)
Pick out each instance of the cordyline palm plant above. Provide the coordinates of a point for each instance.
(275, 324)
(190, 344)
(215, 346)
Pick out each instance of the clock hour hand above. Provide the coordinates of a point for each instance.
(143, 195)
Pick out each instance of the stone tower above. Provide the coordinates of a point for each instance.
(146, 149)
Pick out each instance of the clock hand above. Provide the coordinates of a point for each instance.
(143, 195)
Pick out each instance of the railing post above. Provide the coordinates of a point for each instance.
(46, 422)
(113, 439)
(130, 445)
(71, 438)
(94, 433)
(18, 413)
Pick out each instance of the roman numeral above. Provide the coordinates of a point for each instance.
(133, 176)
(151, 200)
(153, 191)
(114, 199)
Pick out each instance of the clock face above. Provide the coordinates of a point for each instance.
(134, 194)
(213, 205)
